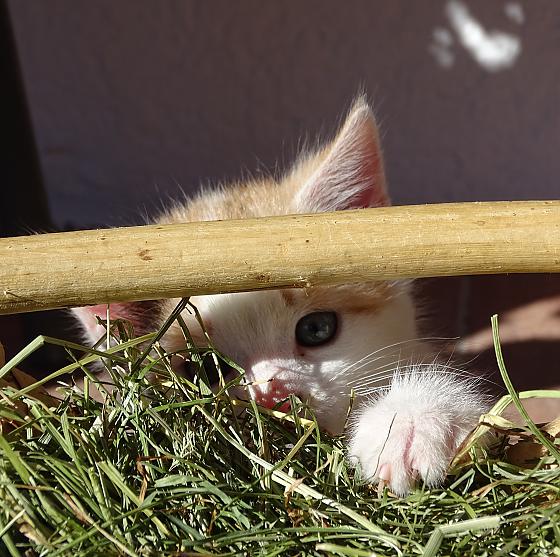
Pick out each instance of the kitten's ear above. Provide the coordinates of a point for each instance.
(350, 173)
(144, 317)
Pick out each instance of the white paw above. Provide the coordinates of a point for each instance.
(414, 430)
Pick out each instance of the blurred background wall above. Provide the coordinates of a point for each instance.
(133, 102)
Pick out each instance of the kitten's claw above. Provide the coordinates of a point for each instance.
(413, 432)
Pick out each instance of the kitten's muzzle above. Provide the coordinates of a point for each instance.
(271, 393)
(270, 384)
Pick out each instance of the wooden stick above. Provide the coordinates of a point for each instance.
(97, 266)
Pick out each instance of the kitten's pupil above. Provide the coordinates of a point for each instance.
(316, 328)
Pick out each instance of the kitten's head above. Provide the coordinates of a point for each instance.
(311, 342)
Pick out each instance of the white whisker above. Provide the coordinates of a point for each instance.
(410, 370)
(399, 343)
(367, 364)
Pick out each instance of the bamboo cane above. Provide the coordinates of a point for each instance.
(161, 261)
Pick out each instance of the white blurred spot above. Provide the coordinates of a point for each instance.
(493, 50)
(443, 36)
(444, 57)
(441, 47)
(514, 10)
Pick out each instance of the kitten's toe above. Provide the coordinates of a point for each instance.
(400, 450)
(413, 432)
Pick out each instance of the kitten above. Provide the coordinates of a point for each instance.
(322, 343)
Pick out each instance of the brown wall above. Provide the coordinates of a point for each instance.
(135, 98)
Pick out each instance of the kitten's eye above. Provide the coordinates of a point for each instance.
(316, 328)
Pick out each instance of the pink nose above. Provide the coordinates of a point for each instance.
(271, 393)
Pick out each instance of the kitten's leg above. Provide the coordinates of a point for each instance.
(413, 431)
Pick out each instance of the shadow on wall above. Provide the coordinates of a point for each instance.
(133, 104)
(528, 307)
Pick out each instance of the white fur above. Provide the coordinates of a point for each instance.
(257, 330)
(413, 430)
(91, 328)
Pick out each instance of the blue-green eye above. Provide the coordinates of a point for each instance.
(316, 328)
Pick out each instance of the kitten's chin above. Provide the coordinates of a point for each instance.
(331, 416)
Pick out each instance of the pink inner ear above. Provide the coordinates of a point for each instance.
(354, 182)
(378, 199)
(376, 194)
(351, 175)
(117, 310)
(143, 316)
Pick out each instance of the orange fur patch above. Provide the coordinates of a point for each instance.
(353, 298)
(288, 296)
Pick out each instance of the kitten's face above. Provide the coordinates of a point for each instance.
(306, 342)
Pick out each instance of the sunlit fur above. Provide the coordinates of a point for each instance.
(413, 428)
(409, 431)
(257, 330)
